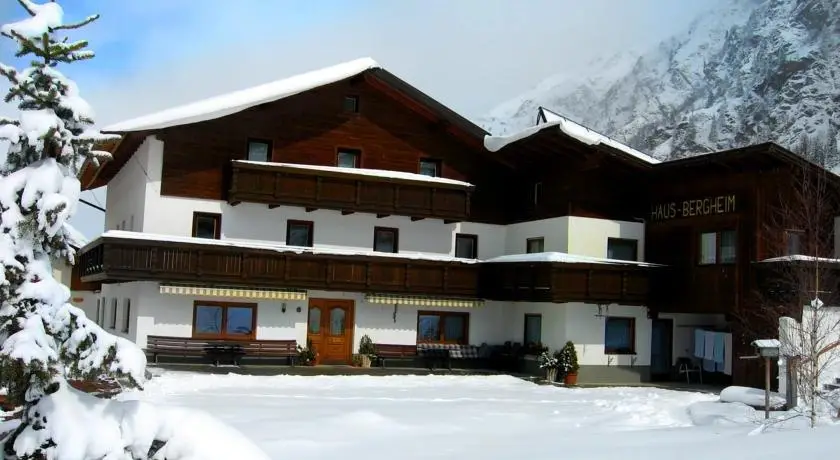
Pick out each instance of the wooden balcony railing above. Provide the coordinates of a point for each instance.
(112, 259)
(347, 190)
(565, 282)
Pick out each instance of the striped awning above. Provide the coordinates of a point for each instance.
(423, 301)
(233, 292)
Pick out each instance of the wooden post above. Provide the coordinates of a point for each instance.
(767, 388)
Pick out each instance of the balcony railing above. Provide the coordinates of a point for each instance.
(566, 282)
(112, 259)
(348, 190)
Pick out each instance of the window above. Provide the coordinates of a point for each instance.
(113, 318)
(207, 225)
(430, 168)
(126, 315)
(794, 242)
(622, 249)
(347, 158)
(620, 336)
(442, 327)
(718, 247)
(299, 233)
(100, 312)
(537, 192)
(728, 246)
(533, 329)
(708, 248)
(351, 104)
(224, 320)
(534, 245)
(466, 246)
(259, 151)
(385, 239)
(131, 223)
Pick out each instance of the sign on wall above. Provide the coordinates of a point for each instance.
(707, 206)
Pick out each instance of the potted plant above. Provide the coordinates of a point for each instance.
(550, 363)
(367, 351)
(569, 363)
(306, 356)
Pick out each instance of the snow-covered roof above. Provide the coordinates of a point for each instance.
(570, 128)
(75, 237)
(365, 172)
(766, 343)
(227, 104)
(802, 258)
(563, 257)
(274, 246)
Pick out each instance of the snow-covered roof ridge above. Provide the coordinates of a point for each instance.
(382, 173)
(279, 247)
(563, 257)
(570, 128)
(74, 236)
(237, 101)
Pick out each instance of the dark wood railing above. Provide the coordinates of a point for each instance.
(566, 282)
(347, 191)
(125, 259)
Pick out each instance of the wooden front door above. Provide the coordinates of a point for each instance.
(330, 328)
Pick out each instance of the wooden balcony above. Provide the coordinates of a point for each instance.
(114, 259)
(565, 282)
(712, 289)
(348, 190)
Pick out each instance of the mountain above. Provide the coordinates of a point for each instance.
(747, 72)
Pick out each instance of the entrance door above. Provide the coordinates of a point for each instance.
(661, 347)
(330, 328)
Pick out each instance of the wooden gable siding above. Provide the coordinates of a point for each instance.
(686, 285)
(309, 128)
(577, 180)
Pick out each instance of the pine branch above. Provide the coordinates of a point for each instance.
(27, 5)
(77, 25)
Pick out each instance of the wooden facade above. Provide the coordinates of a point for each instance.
(346, 191)
(112, 260)
(566, 282)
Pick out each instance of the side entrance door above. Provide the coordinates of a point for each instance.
(661, 347)
(330, 328)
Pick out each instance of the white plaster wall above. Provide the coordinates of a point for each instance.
(86, 300)
(578, 322)
(683, 333)
(555, 231)
(491, 238)
(588, 236)
(125, 200)
(586, 330)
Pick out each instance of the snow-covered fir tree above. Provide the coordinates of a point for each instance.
(46, 340)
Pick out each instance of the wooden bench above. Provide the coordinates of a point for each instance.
(218, 350)
(387, 351)
(270, 349)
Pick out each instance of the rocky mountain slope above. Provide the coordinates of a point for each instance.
(753, 71)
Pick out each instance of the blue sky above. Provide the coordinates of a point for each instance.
(469, 54)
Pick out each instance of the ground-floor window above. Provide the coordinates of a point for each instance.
(620, 336)
(533, 330)
(224, 320)
(442, 327)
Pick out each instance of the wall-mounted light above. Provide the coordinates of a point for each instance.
(395, 313)
(283, 307)
(298, 309)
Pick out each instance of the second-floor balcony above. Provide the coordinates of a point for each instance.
(349, 190)
(119, 256)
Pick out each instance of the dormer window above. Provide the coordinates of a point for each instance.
(259, 150)
(351, 104)
(430, 168)
(347, 158)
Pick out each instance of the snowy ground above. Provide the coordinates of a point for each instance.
(494, 417)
